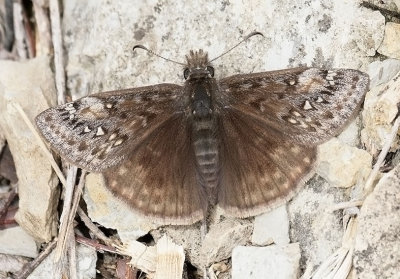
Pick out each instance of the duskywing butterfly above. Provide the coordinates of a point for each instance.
(245, 142)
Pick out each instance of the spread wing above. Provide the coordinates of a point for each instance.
(101, 130)
(260, 169)
(269, 125)
(160, 179)
(307, 105)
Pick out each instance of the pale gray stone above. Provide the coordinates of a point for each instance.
(222, 238)
(30, 84)
(390, 46)
(273, 261)
(380, 110)
(271, 227)
(383, 71)
(342, 165)
(15, 241)
(312, 223)
(106, 209)
(377, 253)
(86, 264)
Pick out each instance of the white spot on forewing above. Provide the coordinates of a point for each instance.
(331, 82)
(86, 130)
(108, 105)
(291, 120)
(246, 85)
(118, 142)
(295, 113)
(319, 99)
(307, 105)
(113, 136)
(122, 171)
(100, 131)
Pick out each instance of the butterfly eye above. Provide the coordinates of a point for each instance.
(186, 73)
(210, 70)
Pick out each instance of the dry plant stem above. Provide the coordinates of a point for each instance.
(96, 245)
(19, 30)
(29, 267)
(75, 201)
(348, 204)
(58, 50)
(73, 271)
(43, 26)
(10, 198)
(41, 144)
(388, 143)
(62, 235)
(93, 228)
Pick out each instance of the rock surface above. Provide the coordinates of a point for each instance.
(377, 253)
(29, 84)
(380, 109)
(342, 165)
(86, 264)
(15, 241)
(266, 262)
(390, 46)
(271, 227)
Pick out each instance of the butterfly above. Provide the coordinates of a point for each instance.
(246, 142)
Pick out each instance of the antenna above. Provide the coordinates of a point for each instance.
(156, 54)
(255, 33)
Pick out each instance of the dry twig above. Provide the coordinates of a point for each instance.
(29, 267)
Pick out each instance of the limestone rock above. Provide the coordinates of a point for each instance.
(86, 264)
(271, 227)
(377, 240)
(342, 165)
(383, 71)
(106, 209)
(15, 241)
(30, 84)
(273, 261)
(390, 46)
(222, 238)
(380, 109)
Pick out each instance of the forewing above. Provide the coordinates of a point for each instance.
(260, 169)
(307, 105)
(159, 179)
(99, 131)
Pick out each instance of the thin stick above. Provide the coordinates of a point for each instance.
(388, 143)
(96, 245)
(8, 201)
(29, 267)
(71, 176)
(93, 228)
(348, 204)
(41, 144)
(73, 271)
(58, 50)
(20, 39)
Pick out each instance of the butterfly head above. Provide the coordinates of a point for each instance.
(198, 66)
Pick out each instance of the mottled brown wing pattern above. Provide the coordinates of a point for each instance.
(307, 105)
(99, 131)
(159, 179)
(260, 169)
